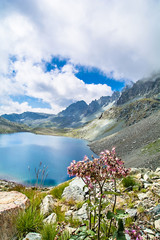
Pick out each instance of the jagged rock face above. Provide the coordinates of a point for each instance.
(140, 88)
(10, 205)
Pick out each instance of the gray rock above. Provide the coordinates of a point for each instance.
(33, 236)
(157, 170)
(81, 214)
(132, 212)
(157, 224)
(77, 182)
(156, 210)
(50, 219)
(75, 190)
(47, 205)
(143, 196)
(146, 177)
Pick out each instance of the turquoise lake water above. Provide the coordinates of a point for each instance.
(21, 153)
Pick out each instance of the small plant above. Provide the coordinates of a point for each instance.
(128, 221)
(140, 209)
(65, 235)
(134, 232)
(59, 213)
(48, 232)
(29, 221)
(73, 222)
(129, 181)
(83, 233)
(57, 191)
(79, 205)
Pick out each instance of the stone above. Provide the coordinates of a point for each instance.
(33, 236)
(157, 170)
(81, 214)
(132, 212)
(77, 182)
(156, 210)
(75, 190)
(73, 193)
(10, 205)
(69, 214)
(146, 177)
(50, 219)
(143, 196)
(157, 224)
(47, 205)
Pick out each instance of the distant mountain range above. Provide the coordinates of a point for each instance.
(129, 120)
(10, 127)
(74, 115)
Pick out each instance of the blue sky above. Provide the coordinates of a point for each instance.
(56, 52)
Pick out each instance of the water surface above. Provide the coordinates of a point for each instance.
(21, 154)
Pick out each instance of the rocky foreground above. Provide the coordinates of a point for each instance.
(141, 202)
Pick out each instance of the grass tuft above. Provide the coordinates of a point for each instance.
(29, 220)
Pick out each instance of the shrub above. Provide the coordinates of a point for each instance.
(49, 232)
(29, 221)
(95, 173)
(129, 181)
(57, 191)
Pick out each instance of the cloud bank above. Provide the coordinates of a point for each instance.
(121, 38)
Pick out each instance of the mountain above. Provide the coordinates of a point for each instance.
(75, 115)
(10, 127)
(26, 117)
(143, 88)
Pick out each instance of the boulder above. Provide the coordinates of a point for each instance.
(47, 205)
(75, 190)
(33, 236)
(51, 219)
(10, 205)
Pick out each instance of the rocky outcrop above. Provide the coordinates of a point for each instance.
(10, 205)
(144, 87)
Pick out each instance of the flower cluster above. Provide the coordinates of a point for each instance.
(107, 166)
(134, 233)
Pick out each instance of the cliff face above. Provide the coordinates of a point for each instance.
(142, 88)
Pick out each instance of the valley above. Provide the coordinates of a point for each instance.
(128, 120)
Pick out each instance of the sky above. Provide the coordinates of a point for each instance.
(56, 52)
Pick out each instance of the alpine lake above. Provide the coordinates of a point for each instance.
(30, 159)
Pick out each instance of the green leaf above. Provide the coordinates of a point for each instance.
(114, 193)
(110, 215)
(119, 236)
(120, 211)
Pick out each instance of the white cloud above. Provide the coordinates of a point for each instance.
(58, 88)
(121, 38)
